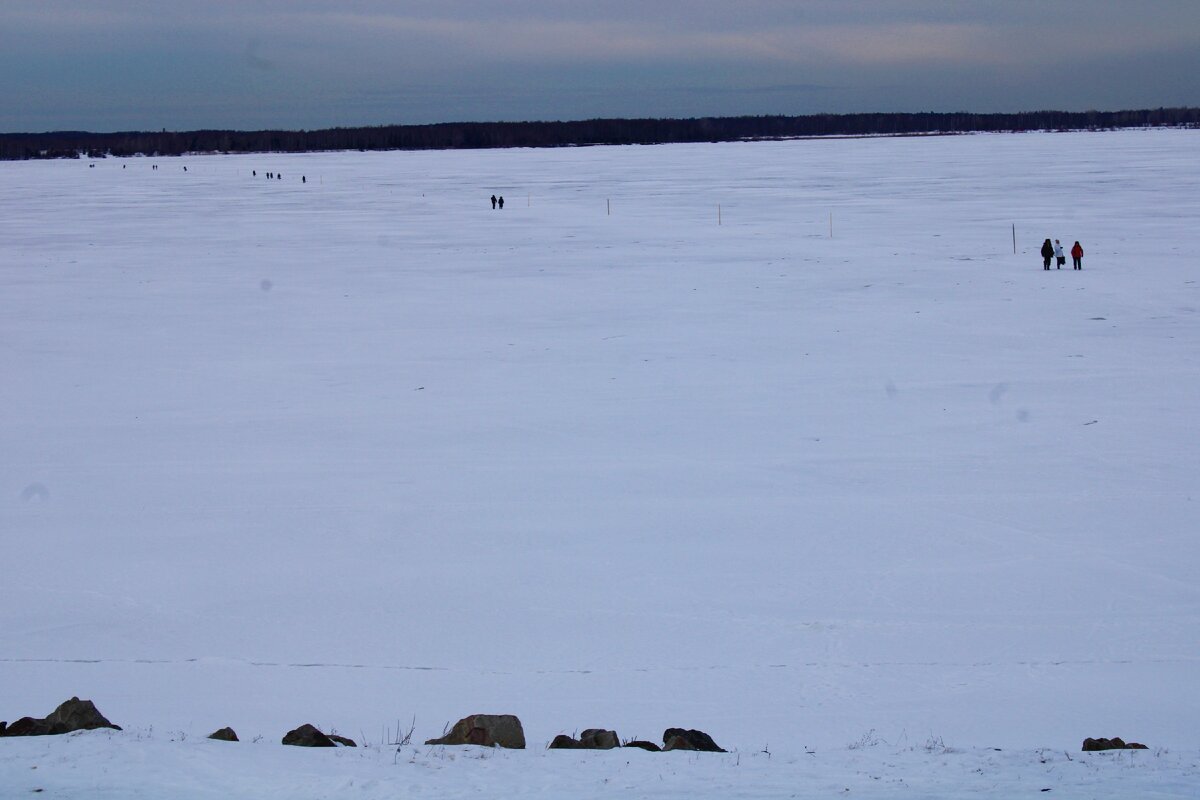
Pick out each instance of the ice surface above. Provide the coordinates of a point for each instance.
(362, 448)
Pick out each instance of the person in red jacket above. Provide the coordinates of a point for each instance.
(1077, 256)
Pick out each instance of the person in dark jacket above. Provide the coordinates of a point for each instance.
(1077, 256)
(493, 202)
(1047, 254)
(501, 202)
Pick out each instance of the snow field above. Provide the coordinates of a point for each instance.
(362, 448)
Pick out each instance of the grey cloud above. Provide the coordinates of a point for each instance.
(254, 59)
(305, 63)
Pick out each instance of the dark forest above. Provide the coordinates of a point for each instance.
(478, 135)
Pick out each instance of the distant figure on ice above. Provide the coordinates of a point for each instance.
(1077, 256)
(493, 202)
(303, 179)
(501, 202)
(1047, 254)
(1058, 253)
(254, 173)
(185, 169)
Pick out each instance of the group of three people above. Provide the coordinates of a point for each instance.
(1055, 251)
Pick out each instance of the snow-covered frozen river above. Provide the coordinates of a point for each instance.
(777, 440)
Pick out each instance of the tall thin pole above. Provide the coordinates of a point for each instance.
(1014, 238)
(718, 213)
(830, 224)
(608, 202)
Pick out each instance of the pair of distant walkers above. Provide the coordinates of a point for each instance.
(1055, 252)
(498, 201)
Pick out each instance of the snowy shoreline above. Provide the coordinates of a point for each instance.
(159, 764)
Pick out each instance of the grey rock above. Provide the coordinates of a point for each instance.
(677, 743)
(73, 715)
(307, 736)
(599, 739)
(224, 735)
(77, 715)
(651, 746)
(1115, 743)
(689, 740)
(591, 739)
(342, 740)
(28, 726)
(488, 730)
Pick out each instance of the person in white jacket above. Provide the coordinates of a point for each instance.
(1058, 254)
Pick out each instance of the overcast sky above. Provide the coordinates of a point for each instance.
(106, 65)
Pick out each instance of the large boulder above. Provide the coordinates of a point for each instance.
(680, 739)
(73, 715)
(224, 735)
(77, 715)
(488, 730)
(307, 736)
(591, 739)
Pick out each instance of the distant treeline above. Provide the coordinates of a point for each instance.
(478, 135)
